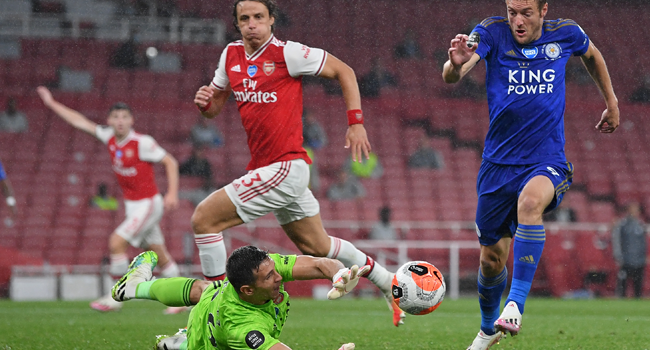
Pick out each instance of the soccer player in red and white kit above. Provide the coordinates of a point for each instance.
(264, 74)
(132, 156)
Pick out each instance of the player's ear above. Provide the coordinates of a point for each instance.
(544, 10)
(246, 289)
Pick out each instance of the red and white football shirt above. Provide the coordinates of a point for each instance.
(268, 89)
(132, 160)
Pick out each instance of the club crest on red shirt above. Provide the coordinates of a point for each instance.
(269, 67)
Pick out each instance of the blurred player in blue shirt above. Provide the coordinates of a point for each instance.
(8, 192)
(524, 171)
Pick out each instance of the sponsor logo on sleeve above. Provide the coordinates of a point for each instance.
(269, 67)
(530, 52)
(254, 339)
(307, 50)
(552, 51)
(252, 70)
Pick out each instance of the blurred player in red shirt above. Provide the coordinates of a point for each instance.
(132, 157)
(265, 76)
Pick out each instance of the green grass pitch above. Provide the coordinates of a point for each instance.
(548, 324)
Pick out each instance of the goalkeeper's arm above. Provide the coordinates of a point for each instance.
(311, 268)
(343, 279)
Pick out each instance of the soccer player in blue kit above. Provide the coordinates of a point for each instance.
(524, 171)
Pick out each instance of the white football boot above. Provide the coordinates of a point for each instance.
(171, 342)
(484, 341)
(510, 320)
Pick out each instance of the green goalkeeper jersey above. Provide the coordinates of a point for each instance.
(221, 320)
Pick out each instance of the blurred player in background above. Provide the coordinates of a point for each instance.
(264, 74)
(248, 310)
(132, 157)
(8, 192)
(524, 172)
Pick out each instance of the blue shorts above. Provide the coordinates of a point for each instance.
(498, 187)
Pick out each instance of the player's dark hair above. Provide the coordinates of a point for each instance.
(119, 106)
(540, 4)
(242, 264)
(271, 5)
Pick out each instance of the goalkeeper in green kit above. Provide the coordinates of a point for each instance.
(245, 311)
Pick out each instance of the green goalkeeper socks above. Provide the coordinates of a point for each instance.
(169, 291)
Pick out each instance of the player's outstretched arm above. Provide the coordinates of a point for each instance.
(311, 268)
(171, 168)
(343, 279)
(211, 101)
(356, 137)
(71, 116)
(462, 59)
(597, 68)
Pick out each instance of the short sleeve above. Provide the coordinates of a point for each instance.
(149, 150)
(304, 60)
(251, 336)
(580, 40)
(220, 80)
(482, 36)
(104, 133)
(284, 265)
(3, 175)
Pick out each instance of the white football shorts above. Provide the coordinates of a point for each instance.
(280, 188)
(141, 228)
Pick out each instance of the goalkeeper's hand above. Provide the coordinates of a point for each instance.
(345, 280)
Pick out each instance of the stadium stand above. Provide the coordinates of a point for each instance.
(55, 170)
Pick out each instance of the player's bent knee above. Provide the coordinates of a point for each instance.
(530, 205)
(202, 221)
(491, 264)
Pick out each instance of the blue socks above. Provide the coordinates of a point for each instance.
(529, 244)
(490, 290)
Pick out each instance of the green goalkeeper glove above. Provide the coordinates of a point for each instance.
(345, 280)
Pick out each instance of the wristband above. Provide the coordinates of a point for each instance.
(11, 201)
(206, 107)
(355, 116)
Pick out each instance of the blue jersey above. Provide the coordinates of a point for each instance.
(525, 89)
(3, 175)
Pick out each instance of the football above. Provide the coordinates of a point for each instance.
(418, 287)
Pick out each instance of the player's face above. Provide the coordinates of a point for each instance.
(121, 121)
(254, 22)
(267, 285)
(526, 20)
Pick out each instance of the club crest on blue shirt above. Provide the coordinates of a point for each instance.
(252, 70)
(530, 52)
(552, 51)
